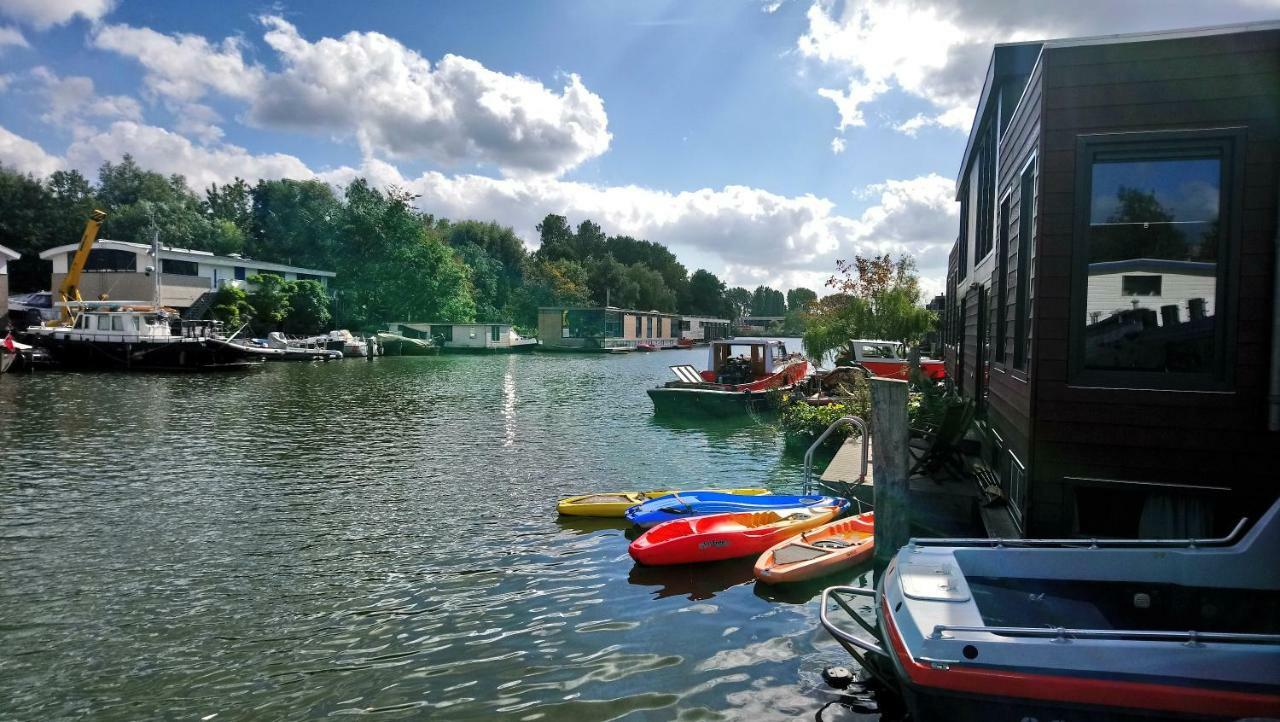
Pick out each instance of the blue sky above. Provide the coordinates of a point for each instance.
(760, 140)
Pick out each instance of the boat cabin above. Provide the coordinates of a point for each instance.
(475, 337)
(607, 328)
(743, 360)
(1110, 303)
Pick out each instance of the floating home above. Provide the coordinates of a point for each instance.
(467, 337)
(6, 255)
(1111, 300)
(119, 269)
(701, 329)
(604, 328)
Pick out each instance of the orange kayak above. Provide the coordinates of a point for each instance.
(818, 552)
(725, 536)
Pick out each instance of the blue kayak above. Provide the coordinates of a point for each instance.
(701, 503)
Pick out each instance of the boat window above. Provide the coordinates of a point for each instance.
(117, 323)
(495, 333)
(870, 350)
(104, 323)
(174, 267)
(137, 323)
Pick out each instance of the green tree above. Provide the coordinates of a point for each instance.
(294, 222)
(651, 292)
(550, 283)
(556, 239)
(798, 299)
(766, 301)
(706, 294)
(308, 308)
(269, 301)
(876, 297)
(738, 301)
(231, 307)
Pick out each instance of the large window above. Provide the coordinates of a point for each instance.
(174, 267)
(984, 203)
(1155, 258)
(108, 260)
(962, 254)
(1002, 282)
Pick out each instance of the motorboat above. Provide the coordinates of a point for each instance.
(1078, 629)
(732, 383)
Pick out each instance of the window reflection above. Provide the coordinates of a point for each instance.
(1153, 247)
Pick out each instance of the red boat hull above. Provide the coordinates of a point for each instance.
(723, 536)
(898, 369)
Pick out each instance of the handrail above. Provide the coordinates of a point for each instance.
(1227, 540)
(1062, 634)
(836, 631)
(808, 455)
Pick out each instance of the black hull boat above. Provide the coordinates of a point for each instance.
(1075, 630)
(117, 337)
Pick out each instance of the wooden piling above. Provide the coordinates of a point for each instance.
(890, 436)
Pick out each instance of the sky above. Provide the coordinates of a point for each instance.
(761, 139)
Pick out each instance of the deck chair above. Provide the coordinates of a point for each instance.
(939, 449)
(687, 374)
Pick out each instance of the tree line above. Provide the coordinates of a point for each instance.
(393, 261)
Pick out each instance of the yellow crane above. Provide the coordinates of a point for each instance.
(70, 289)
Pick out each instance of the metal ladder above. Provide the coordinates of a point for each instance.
(842, 421)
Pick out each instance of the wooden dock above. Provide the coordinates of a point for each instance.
(938, 507)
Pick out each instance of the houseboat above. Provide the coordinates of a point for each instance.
(1120, 630)
(136, 336)
(605, 329)
(1110, 306)
(467, 337)
(732, 384)
(702, 329)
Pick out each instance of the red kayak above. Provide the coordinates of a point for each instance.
(725, 536)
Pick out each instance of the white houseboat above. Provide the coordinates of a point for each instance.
(467, 337)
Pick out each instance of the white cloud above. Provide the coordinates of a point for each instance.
(165, 152)
(938, 50)
(184, 67)
(385, 96)
(12, 37)
(199, 120)
(71, 99)
(42, 14)
(25, 155)
(837, 145)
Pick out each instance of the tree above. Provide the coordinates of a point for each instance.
(738, 300)
(556, 239)
(877, 297)
(308, 308)
(550, 283)
(231, 307)
(766, 301)
(294, 222)
(651, 292)
(269, 301)
(706, 294)
(798, 299)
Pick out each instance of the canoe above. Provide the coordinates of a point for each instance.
(825, 550)
(616, 503)
(725, 536)
(682, 505)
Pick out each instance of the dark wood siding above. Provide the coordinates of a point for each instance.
(1009, 411)
(1194, 438)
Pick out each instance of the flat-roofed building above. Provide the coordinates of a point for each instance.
(604, 328)
(119, 269)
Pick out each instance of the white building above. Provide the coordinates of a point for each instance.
(6, 255)
(701, 328)
(1190, 287)
(467, 337)
(119, 269)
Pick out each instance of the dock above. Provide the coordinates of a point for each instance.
(939, 507)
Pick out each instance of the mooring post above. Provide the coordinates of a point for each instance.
(890, 436)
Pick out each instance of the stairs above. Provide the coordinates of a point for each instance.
(200, 308)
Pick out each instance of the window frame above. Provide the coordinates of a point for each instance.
(1156, 146)
(1001, 344)
(1023, 274)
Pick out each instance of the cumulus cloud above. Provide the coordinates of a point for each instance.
(12, 37)
(168, 153)
(938, 50)
(385, 96)
(72, 98)
(837, 145)
(25, 155)
(42, 14)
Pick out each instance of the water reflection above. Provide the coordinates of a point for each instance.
(696, 582)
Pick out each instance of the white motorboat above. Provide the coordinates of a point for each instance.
(982, 629)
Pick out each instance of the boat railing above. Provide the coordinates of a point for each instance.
(842, 421)
(1227, 540)
(857, 647)
(1063, 635)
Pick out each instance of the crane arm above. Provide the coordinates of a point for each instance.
(70, 289)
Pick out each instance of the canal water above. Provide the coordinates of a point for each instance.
(380, 537)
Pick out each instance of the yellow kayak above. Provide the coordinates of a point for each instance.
(614, 503)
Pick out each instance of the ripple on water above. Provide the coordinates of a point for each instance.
(377, 539)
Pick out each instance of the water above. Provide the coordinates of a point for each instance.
(380, 537)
